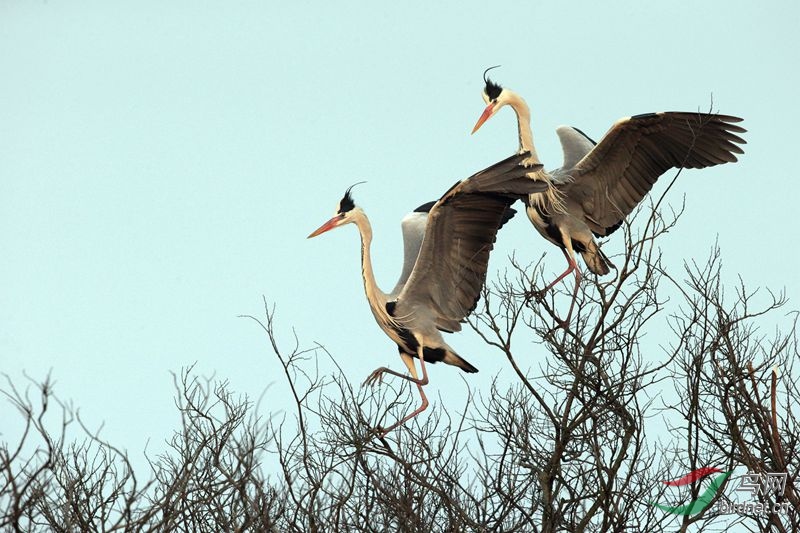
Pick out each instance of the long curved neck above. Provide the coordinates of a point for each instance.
(376, 298)
(549, 200)
(523, 124)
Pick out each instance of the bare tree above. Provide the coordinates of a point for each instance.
(730, 387)
(570, 444)
(211, 479)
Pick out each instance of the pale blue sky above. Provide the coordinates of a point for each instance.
(162, 163)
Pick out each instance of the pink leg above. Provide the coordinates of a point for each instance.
(572, 266)
(565, 323)
(405, 419)
(540, 294)
(377, 375)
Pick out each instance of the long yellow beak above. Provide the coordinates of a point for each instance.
(329, 225)
(484, 117)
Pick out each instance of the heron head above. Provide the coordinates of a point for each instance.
(494, 96)
(345, 213)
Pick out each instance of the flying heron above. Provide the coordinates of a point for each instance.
(442, 277)
(592, 193)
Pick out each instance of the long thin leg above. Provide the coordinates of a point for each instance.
(569, 253)
(377, 375)
(414, 413)
(574, 294)
(572, 266)
(409, 361)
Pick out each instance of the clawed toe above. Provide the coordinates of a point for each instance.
(533, 294)
(372, 379)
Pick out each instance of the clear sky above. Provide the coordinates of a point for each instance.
(161, 165)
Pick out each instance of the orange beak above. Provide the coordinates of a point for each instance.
(484, 117)
(329, 225)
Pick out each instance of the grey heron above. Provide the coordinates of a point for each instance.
(442, 277)
(595, 189)
(575, 145)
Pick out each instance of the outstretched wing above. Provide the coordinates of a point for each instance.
(450, 270)
(614, 177)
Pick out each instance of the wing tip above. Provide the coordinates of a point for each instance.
(425, 208)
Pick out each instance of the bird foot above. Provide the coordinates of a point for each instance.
(375, 378)
(534, 294)
(378, 431)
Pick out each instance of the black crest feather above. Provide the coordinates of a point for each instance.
(492, 89)
(347, 204)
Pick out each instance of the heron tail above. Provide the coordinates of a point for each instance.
(456, 360)
(596, 260)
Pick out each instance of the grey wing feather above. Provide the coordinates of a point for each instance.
(450, 270)
(575, 145)
(614, 177)
(413, 226)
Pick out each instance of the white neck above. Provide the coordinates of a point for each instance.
(377, 298)
(523, 112)
(550, 200)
